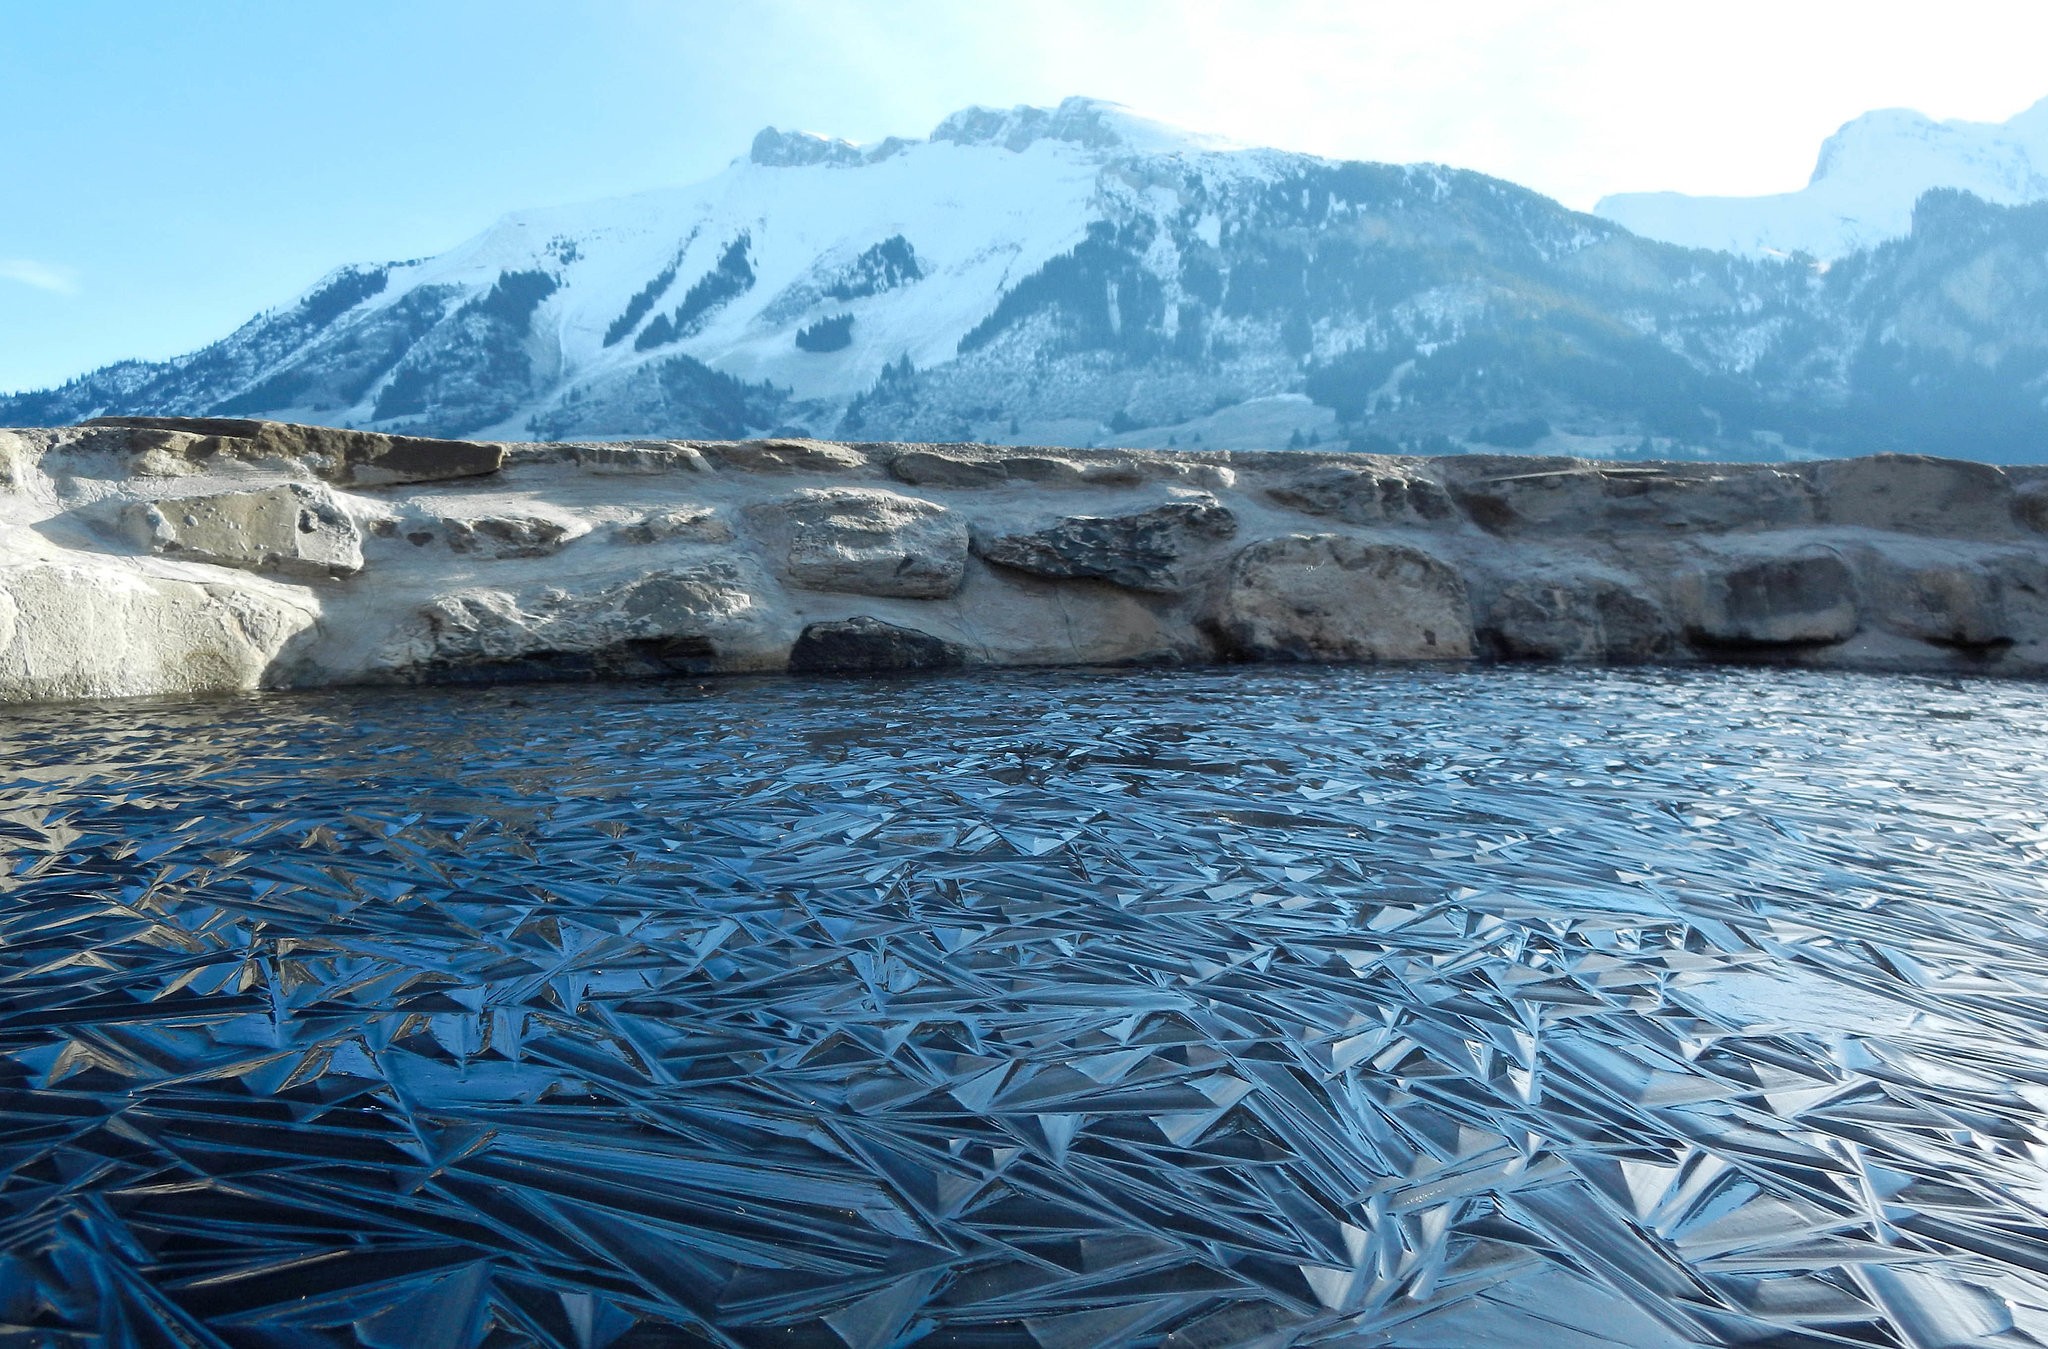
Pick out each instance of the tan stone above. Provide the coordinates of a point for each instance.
(941, 468)
(2030, 507)
(1953, 603)
(1914, 494)
(1511, 496)
(869, 541)
(506, 534)
(346, 457)
(1328, 597)
(787, 456)
(678, 524)
(1577, 619)
(96, 630)
(292, 529)
(636, 458)
(1372, 492)
(1145, 550)
(1801, 598)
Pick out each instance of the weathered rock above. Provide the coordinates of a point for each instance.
(940, 468)
(635, 458)
(691, 621)
(98, 630)
(1327, 597)
(1054, 471)
(1584, 498)
(1913, 494)
(1580, 618)
(292, 529)
(678, 524)
(1141, 551)
(2030, 507)
(869, 541)
(1956, 603)
(868, 645)
(348, 458)
(15, 457)
(1794, 599)
(510, 534)
(1365, 495)
(788, 456)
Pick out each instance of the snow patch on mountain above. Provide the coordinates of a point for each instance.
(1864, 186)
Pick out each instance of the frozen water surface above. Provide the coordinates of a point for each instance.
(1199, 1009)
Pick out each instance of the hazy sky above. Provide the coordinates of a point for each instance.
(167, 169)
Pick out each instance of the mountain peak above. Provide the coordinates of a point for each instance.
(1093, 123)
(779, 149)
(1867, 177)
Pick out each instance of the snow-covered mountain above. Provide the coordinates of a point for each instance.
(1082, 276)
(1862, 193)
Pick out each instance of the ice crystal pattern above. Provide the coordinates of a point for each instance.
(1189, 1009)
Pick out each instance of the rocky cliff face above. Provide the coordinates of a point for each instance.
(1078, 277)
(149, 557)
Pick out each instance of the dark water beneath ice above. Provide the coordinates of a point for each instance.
(1216, 1008)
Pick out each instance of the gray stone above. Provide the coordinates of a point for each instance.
(1584, 618)
(941, 468)
(2030, 507)
(1503, 495)
(292, 529)
(868, 645)
(637, 458)
(1327, 597)
(1913, 494)
(1058, 471)
(677, 524)
(787, 456)
(509, 534)
(1366, 495)
(1794, 599)
(691, 621)
(1141, 551)
(1956, 604)
(348, 458)
(868, 541)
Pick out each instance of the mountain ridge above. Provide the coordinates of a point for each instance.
(1081, 275)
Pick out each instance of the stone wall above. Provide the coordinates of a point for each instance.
(167, 556)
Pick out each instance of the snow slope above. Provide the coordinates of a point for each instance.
(1870, 174)
(1081, 276)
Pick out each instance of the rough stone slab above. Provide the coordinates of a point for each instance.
(292, 529)
(677, 524)
(1326, 597)
(1370, 493)
(866, 645)
(94, 630)
(787, 456)
(1954, 604)
(1516, 496)
(694, 620)
(2030, 507)
(345, 457)
(1804, 598)
(1141, 551)
(1914, 494)
(870, 541)
(509, 534)
(636, 458)
(1579, 619)
(937, 468)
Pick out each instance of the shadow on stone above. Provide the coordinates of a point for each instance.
(869, 646)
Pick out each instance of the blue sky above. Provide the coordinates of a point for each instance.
(171, 168)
